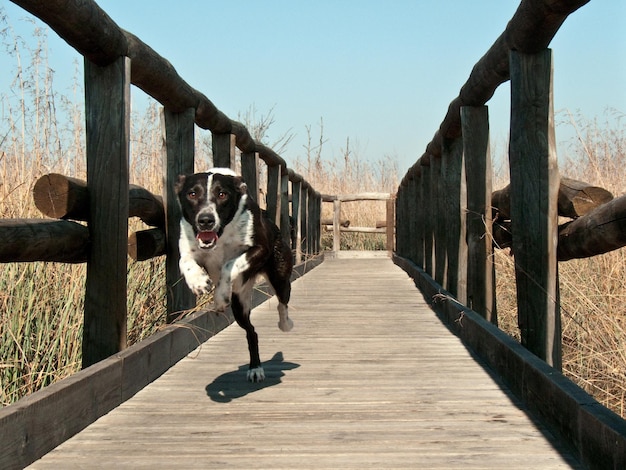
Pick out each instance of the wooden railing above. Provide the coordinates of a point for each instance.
(115, 59)
(338, 226)
(446, 231)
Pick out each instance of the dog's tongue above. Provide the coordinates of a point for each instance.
(207, 237)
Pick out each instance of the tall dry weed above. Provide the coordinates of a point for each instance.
(592, 290)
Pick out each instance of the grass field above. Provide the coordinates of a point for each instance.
(42, 131)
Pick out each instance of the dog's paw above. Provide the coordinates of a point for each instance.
(285, 324)
(199, 282)
(256, 375)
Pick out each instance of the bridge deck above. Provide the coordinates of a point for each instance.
(368, 378)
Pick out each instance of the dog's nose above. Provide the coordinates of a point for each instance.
(206, 221)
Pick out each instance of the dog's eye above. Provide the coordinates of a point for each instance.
(192, 195)
(221, 195)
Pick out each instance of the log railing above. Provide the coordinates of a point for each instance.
(446, 228)
(115, 59)
(337, 226)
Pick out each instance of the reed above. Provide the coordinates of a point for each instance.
(41, 131)
(592, 290)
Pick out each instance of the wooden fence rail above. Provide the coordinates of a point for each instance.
(446, 224)
(115, 59)
(337, 225)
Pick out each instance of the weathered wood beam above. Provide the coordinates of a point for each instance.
(63, 197)
(535, 180)
(26, 240)
(594, 233)
(107, 116)
(576, 198)
(147, 244)
(599, 231)
(177, 130)
(477, 157)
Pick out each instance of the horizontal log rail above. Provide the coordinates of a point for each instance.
(337, 226)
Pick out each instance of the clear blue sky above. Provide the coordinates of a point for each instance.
(379, 72)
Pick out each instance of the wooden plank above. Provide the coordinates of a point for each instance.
(311, 234)
(534, 192)
(428, 221)
(336, 225)
(43, 240)
(62, 197)
(390, 216)
(480, 269)
(249, 173)
(296, 207)
(439, 223)
(304, 225)
(455, 200)
(272, 199)
(178, 159)
(107, 113)
(284, 222)
(223, 146)
(348, 387)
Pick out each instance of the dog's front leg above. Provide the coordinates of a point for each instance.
(196, 277)
(231, 271)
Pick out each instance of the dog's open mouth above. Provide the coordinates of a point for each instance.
(207, 239)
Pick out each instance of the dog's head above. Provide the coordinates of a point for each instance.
(209, 201)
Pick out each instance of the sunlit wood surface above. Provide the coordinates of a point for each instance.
(368, 378)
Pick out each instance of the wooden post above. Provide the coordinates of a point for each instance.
(477, 158)
(438, 219)
(223, 150)
(317, 223)
(402, 221)
(454, 212)
(304, 221)
(296, 207)
(534, 193)
(427, 197)
(389, 235)
(250, 173)
(107, 113)
(285, 224)
(415, 220)
(272, 200)
(336, 226)
(178, 155)
(311, 221)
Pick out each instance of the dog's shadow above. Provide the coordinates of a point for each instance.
(233, 385)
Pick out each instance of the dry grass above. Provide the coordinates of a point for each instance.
(41, 326)
(592, 290)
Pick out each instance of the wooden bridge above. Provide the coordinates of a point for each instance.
(376, 373)
(369, 378)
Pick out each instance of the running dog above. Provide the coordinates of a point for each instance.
(226, 241)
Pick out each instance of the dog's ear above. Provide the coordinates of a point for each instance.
(178, 185)
(243, 187)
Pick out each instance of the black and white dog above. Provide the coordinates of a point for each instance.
(226, 241)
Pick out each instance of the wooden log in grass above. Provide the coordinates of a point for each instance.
(599, 231)
(576, 198)
(27, 240)
(147, 244)
(63, 197)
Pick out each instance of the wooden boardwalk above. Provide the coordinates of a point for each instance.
(368, 378)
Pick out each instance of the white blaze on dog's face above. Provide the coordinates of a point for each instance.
(209, 202)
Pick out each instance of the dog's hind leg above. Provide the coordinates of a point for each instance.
(241, 311)
(282, 287)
